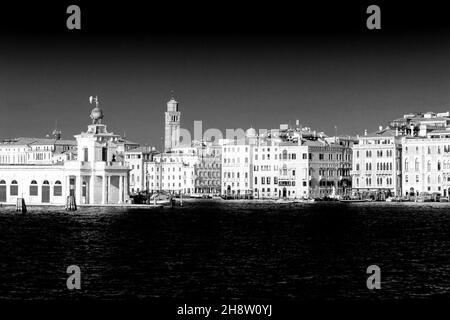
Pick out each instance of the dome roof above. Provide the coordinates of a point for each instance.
(96, 115)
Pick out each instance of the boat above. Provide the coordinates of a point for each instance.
(285, 201)
(162, 199)
(306, 200)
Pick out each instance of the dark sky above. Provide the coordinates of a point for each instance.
(346, 76)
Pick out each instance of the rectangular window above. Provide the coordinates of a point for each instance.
(57, 191)
(14, 190)
(33, 190)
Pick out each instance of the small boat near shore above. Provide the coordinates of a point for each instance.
(294, 201)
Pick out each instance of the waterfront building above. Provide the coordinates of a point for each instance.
(280, 170)
(237, 167)
(330, 162)
(377, 168)
(136, 160)
(96, 176)
(208, 168)
(287, 163)
(173, 172)
(426, 164)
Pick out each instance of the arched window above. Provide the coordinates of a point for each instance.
(285, 155)
(33, 188)
(429, 165)
(416, 165)
(406, 163)
(45, 182)
(57, 189)
(2, 191)
(14, 188)
(439, 166)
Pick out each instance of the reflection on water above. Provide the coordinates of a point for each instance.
(228, 250)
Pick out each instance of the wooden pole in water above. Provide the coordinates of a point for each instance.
(71, 204)
(20, 205)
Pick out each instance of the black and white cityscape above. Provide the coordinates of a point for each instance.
(220, 168)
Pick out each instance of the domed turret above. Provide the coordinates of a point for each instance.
(97, 115)
(97, 112)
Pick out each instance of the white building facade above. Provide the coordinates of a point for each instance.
(136, 159)
(95, 177)
(172, 172)
(426, 165)
(376, 165)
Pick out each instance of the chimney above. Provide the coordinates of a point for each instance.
(396, 131)
(365, 132)
(380, 128)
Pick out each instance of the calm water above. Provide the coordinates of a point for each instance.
(228, 250)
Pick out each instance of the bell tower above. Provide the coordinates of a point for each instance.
(172, 125)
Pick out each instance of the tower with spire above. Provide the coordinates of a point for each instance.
(172, 125)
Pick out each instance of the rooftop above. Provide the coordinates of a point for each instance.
(22, 141)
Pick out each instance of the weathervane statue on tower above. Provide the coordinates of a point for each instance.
(96, 113)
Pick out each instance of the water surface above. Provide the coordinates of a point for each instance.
(228, 250)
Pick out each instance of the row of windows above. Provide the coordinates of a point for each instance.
(14, 187)
(232, 184)
(168, 185)
(266, 180)
(33, 182)
(265, 168)
(377, 141)
(431, 149)
(380, 182)
(380, 153)
(428, 179)
(230, 175)
(209, 166)
(168, 170)
(209, 174)
(387, 181)
(208, 182)
(338, 156)
(429, 165)
(234, 160)
(235, 149)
